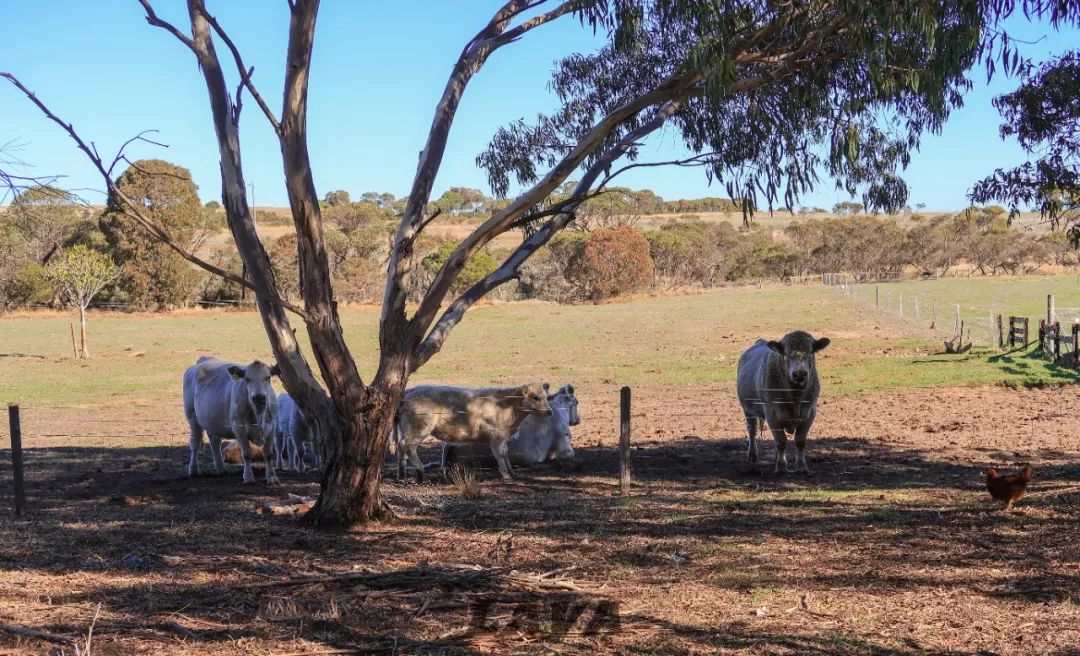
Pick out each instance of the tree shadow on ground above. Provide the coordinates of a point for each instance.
(152, 545)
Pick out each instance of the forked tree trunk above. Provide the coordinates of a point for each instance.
(350, 484)
(82, 333)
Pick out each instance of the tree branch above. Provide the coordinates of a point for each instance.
(244, 71)
(511, 267)
(152, 18)
(674, 89)
(476, 51)
(130, 208)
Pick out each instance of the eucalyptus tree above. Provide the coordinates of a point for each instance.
(1043, 114)
(767, 96)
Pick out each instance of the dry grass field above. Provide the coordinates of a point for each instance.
(892, 546)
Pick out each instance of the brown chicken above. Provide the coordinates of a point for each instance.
(1007, 488)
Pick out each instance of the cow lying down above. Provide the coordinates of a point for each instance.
(457, 414)
(537, 439)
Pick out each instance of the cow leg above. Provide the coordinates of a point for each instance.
(215, 452)
(780, 437)
(269, 452)
(195, 442)
(414, 458)
(501, 451)
(282, 454)
(245, 454)
(297, 455)
(752, 425)
(800, 445)
(399, 452)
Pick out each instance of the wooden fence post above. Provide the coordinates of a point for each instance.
(1049, 309)
(1042, 335)
(74, 347)
(877, 296)
(16, 457)
(1076, 343)
(901, 305)
(1001, 333)
(624, 441)
(1057, 341)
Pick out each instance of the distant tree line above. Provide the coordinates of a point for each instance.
(605, 256)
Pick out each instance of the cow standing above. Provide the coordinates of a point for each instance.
(536, 440)
(778, 385)
(294, 444)
(457, 414)
(227, 400)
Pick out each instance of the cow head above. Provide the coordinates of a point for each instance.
(256, 382)
(565, 405)
(797, 351)
(534, 400)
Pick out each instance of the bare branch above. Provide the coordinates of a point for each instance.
(130, 208)
(152, 18)
(696, 160)
(245, 73)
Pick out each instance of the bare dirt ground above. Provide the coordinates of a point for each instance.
(891, 547)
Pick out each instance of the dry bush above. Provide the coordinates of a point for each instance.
(612, 262)
(464, 478)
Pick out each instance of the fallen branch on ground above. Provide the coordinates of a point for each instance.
(34, 633)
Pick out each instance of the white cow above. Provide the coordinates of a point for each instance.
(227, 400)
(537, 439)
(457, 414)
(294, 444)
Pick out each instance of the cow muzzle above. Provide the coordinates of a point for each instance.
(259, 402)
(799, 378)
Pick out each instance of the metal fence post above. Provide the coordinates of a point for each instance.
(624, 441)
(16, 457)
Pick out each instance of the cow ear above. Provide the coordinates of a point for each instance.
(775, 346)
(570, 388)
(524, 390)
(274, 371)
(546, 388)
(236, 372)
(820, 344)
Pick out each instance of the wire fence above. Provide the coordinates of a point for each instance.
(961, 327)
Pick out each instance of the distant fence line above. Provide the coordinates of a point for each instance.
(124, 307)
(1058, 337)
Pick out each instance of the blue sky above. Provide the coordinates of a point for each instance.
(379, 70)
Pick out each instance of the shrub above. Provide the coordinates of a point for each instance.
(28, 285)
(478, 266)
(612, 262)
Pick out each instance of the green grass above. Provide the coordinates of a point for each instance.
(684, 340)
(1022, 296)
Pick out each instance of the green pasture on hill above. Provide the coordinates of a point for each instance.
(688, 340)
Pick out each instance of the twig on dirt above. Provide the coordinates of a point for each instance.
(177, 627)
(34, 633)
(90, 631)
(561, 570)
(325, 652)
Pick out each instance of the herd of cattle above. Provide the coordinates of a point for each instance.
(777, 386)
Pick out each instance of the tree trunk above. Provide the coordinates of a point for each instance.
(350, 482)
(82, 333)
